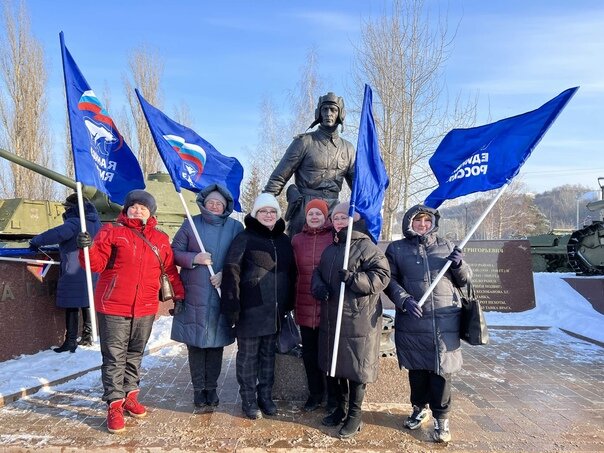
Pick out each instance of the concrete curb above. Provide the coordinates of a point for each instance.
(7, 399)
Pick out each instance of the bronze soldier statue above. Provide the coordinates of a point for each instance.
(320, 160)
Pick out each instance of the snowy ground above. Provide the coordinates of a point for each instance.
(558, 306)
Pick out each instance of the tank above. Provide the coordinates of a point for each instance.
(549, 252)
(585, 247)
(21, 219)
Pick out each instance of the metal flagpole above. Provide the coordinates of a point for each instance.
(28, 261)
(462, 244)
(196, 233)
(87, 263)
(336, 342)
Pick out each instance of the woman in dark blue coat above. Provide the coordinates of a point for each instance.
(200, 325)
(72, 294)
(427, 337)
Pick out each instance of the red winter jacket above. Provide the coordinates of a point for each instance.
(129, 270)
(308, 247)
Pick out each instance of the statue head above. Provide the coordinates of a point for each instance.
(330, 99)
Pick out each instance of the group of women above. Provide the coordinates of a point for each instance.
(241, 284)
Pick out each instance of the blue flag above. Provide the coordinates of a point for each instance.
(192, 162)
(101, 157)
(370, 178)
(487, 157)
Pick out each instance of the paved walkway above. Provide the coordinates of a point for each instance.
(529, 391)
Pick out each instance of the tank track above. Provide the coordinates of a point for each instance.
(577, 261)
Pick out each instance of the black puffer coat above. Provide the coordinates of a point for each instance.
(259, 279)
(359, 348)
(431, 342)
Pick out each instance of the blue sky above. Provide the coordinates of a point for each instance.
(224, 58)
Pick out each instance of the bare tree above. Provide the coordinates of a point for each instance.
(146, 69)
(303, 100)
(514, 215)
(271, 144)
(402, 56)
(275, 133)
(182, 114)
(23, 123)
(252, 188)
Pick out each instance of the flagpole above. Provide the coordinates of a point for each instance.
(87, 263)
(28, 261)
(196, 233)
(462, 244)
(336, 341)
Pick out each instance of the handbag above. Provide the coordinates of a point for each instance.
(166, 292)
(289, 339)
(473, 327)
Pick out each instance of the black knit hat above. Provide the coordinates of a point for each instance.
(140, 197)
(72, 201)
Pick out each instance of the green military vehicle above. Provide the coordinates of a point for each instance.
(21, 219)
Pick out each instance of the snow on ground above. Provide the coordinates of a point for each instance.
(558, 305)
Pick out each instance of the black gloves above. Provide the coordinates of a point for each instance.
(233, 318)
(321, 293)
(84, 240)
(411, 306)
(344, 274)
(179, 305)
(455, 257)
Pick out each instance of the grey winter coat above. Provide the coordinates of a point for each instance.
(71, 287)
(432, 341)
(361, 328)
(201, 323)
(319, 161)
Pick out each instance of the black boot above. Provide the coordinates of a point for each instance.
(267, 405)
(71, 335)
(86, 339)
(339, 389)
(353, 423)
(200, 398)
(251, 410)
(68, 345)
(212, 398)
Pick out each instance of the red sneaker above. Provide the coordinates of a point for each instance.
(115, 416)
(132, 406)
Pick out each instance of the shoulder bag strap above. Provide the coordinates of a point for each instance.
(153, 247)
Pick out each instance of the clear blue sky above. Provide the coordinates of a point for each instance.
(224, 57)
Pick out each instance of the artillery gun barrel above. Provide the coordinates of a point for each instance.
(98, 198)
(595, 205)
(58, 177)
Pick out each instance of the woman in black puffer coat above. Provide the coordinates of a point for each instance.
(427, 337)
(258, 288)
(359, 347)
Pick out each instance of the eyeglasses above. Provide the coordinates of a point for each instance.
(267, 212)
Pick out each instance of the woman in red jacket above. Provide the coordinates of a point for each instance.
(126, 298)
(308, 246)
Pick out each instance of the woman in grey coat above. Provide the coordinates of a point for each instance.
(198, 322)
(427, 337)
(359, 342)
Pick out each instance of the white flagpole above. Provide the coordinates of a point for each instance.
(196, 233)
(28, 261)
(87, 263)
(462, 244)
(336, 342)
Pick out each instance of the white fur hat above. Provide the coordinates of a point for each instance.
(266, 200)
